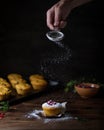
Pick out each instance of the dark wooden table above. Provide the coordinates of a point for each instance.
(80, 114)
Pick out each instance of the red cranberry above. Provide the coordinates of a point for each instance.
(2, 115)
(84, 86)
(50, 102)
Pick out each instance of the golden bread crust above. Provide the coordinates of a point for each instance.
(19, 84)
(38, 82)
(5, 89)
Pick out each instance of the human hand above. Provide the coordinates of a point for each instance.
(57, 14)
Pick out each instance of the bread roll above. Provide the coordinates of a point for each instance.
(19, 84)
(38, 82)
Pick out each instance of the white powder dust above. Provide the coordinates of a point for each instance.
(59, 57)
(38, 114)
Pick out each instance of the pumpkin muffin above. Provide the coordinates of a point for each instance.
(4, 83)
(36, 76)
(23, 88)
(19, 84)
(53, 109)
(38, 82)
(5, 89)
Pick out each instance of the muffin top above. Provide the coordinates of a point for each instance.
(52, 104)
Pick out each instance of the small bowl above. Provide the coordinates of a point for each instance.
(87, 90)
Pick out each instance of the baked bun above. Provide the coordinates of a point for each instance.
(53, 109)
(15, 79)
(36, 76)
(38, 82)
(5, 89)
(19, 84)
(23, 88)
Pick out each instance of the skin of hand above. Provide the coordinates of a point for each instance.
(56, 16)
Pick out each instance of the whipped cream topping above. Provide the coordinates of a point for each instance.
(52, 104)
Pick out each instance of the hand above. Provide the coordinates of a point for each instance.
(57, 14)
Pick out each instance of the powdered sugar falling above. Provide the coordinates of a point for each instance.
(58, 57)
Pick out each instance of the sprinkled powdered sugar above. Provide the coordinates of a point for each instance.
(38, 114)
(34, 114)
(58, 57)
(48, 65)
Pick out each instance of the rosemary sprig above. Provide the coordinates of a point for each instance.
(4, 106)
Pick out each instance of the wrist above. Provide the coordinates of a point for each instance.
(67, 3)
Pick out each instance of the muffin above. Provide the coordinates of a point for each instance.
(5, 89)
(38, 82)
(19, 84)
(4, 83)
(53, 109)
(23, 88)
(14, 76)
(36, 76)
(15, 79)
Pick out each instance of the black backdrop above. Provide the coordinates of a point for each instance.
(24, 47)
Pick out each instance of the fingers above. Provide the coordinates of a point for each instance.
(60, 25)
(54, 20)
(57, 18)
(63, 24)
(50, 19)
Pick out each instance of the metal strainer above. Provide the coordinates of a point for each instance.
(55, 35)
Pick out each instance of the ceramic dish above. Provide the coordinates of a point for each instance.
(86, 90)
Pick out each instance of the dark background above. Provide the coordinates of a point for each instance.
(24, 47)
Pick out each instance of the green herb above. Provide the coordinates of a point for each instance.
(4, 106)
(70, 85)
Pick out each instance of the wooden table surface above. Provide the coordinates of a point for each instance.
(87, 114)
